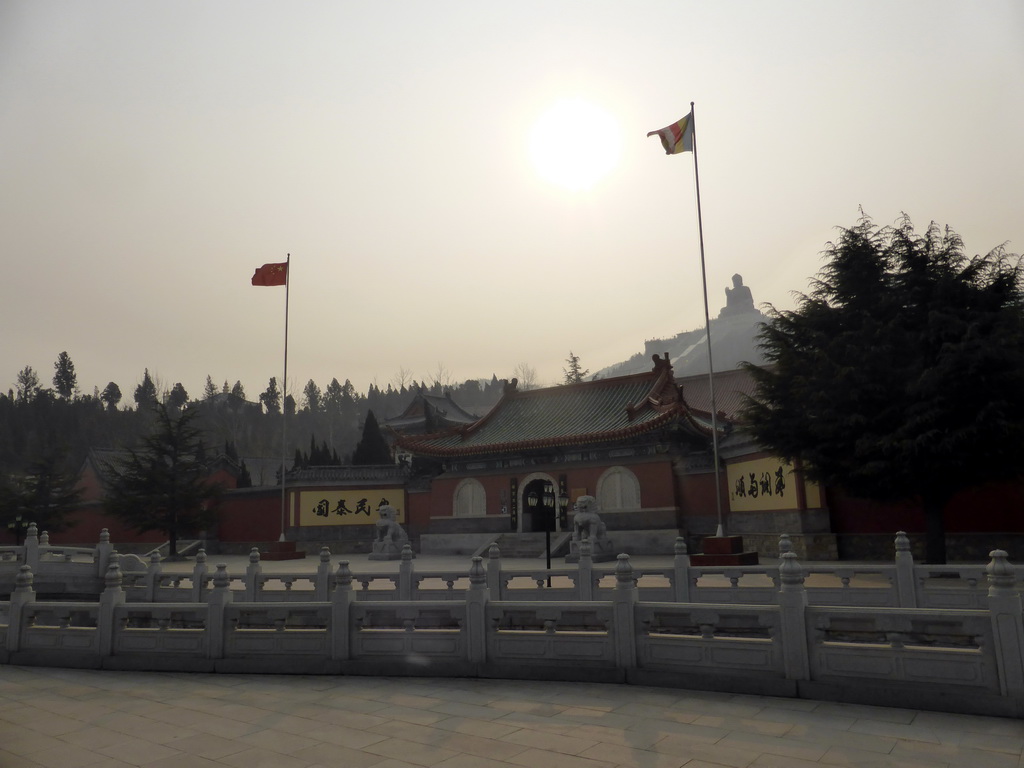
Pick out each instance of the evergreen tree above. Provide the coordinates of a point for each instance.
(313, 397)
(111, 396)
(145, 392)
(164, 486)
(238, 390)
(271, 397)
(899, 376)
(178, 396)
(27, 385)
(372, 447)
(210, 389)
(44, 494)
(64, 379)
(575, 373)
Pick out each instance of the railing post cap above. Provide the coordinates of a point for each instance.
(325, 554)
(902, 541)
(1001, 573)
(221, 580)
(112, 579)
(477, 574)
(24, 578)
(104, 536)
(254, 556)
(680, 546)
(791, 573)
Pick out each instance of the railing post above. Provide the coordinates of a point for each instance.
(323, 575)
(23, 595)
(32, 548)
(216, 628)
(405, 574)
(624, 614)
(111, 597)
(199, 571)
(476, 613)
(1007, 623)
(44, 540)
(792, 599)
(103, 550)
(585, 574)
(494, 571)
(153, 571)
(253, 572)
(906, 579)
(341, 602)
(785, 544)
(681, 571)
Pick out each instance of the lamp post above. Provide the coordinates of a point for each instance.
(17, 526)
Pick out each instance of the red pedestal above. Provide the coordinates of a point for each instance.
(282, 550)
(723, 550)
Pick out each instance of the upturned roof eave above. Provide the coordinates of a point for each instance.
(605, 436)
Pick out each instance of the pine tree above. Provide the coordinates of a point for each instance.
(899, 376)
(575, 373)
(64, 379)
(372, 447)
(164, 485)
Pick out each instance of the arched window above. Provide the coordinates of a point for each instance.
(470, 499)
(618, 489)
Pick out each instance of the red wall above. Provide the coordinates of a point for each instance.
(250, 516)
(996, 507)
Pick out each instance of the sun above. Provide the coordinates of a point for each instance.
(575, 144)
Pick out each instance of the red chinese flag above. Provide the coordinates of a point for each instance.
(271, 274)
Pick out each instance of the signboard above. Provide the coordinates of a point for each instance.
(348, 506)
(764, 484)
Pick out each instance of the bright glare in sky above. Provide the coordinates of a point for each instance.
(575, 144)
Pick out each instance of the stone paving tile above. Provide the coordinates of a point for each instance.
(552, 742)
(137, 751)
(11, 760)
(764, 727)
(538, 758)
(911, 732)
(774, 745)
(633, 757)
(955, 756)
(418, 754)
(815, 734)
(851, 757)
(172, 720)
(488, 729)
(260, 758)
(656, 712)
(206, 745)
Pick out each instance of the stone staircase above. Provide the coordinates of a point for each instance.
(531, 544)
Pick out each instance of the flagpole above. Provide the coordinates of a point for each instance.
(707, 330)
(284, 397)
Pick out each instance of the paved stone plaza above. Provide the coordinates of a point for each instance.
(63, 718)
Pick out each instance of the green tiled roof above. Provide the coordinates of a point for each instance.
(598, 411)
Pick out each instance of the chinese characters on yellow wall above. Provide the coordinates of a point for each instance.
(763, 484)
(349, 506)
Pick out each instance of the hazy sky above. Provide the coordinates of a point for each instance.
(153, 154)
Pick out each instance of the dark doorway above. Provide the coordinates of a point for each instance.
(539, 506)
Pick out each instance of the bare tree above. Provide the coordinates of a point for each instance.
(526, 375)
(442, 376)
(402, 379)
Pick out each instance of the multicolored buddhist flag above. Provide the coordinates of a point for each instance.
(677, 137)
(271, 274)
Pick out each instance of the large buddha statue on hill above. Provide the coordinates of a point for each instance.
(738, 299)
